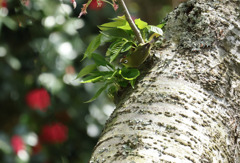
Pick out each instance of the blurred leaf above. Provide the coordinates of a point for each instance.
(129, 74)
(86, 70)
(6, 148)
(10, 23)
(141, 24)
(98, 93)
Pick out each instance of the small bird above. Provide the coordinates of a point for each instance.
(138, 56)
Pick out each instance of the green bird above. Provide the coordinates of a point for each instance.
(138, 56)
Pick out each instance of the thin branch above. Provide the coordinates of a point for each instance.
(131, 23)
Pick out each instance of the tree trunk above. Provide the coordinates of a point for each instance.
(186, 108)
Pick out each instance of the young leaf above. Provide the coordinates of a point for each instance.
(141, 24)
(129, 74)
(119, 22)
(161, 25)
(92, 46)
(114, 24)
(101, 61)
(125, 27)
(86, 70)
(98, 93)
(119, 18)
(155, 29)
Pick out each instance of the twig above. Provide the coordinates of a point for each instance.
(131, 23)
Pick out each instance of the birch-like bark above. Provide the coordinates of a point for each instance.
(186, 108)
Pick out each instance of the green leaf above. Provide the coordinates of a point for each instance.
(115, 49)
(123, 83)
(155, 29)
(92, 46)
(141, 24)
(114, 24)
(92, 79)
(116, 52)
(161, 25)
(119, 22)
(101, 61)
(106, 75)
(127, 47)
(129, 74)
(86, 70)
(113, 74)
(125, 27)
(106, 38)
(10, 23)
(119, 18)
(98, 93)
(116, 33)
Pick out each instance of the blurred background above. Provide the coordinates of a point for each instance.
(43, 116)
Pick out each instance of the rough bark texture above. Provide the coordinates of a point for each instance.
(186, 108)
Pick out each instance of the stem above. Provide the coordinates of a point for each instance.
(131, 23)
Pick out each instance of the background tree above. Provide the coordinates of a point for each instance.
(185, 108)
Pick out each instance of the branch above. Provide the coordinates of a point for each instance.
(131, 23)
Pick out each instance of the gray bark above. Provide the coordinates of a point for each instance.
(186, 108)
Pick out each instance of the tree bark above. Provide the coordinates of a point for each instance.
(186, 108)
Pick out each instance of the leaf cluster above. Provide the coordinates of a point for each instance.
(122, 41)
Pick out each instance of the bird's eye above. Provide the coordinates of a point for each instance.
(126, 61)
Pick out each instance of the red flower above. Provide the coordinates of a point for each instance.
(3, 3)
(54, 133)
(94, 5)
(38, 99)
(17, 143)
